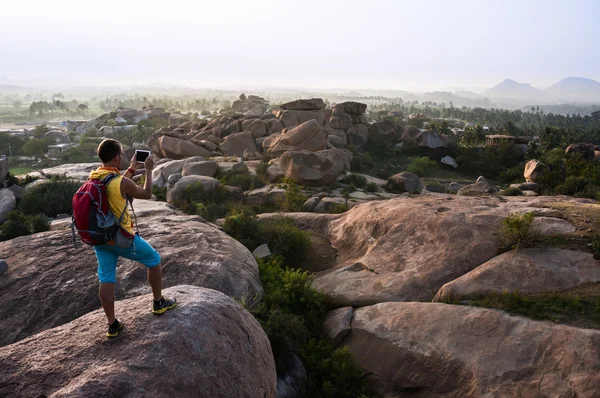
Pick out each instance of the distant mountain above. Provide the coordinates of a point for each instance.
(511, 89)
(575, 89)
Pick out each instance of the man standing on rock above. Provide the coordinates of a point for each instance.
(118, 190)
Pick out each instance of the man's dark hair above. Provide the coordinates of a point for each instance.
(108, 149)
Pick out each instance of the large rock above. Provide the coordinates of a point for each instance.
(410, 246)
(51, 283)
(337, 324)
(358, 134)
(480, 188)
(315, 168)
(294, 118)
(273, 126)
(8, 202)
(204, 168)
(176, 119)
(308, 136)
(57, 137)
(384, 131)
(526, 271)
(177, 148)
(430, 139)
(341, 121)
(405, 182)
(355, 108)
(254, 126)
(584, 149)
(304, 105)
(208, 346)
(440, 350)
(77, 171)
(178, 191)
(236, 144)
(251, 103)
(161, 173)
(534, 169)
(552, 226)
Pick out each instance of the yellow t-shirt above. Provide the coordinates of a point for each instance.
(116, 202)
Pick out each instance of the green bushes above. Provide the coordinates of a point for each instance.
(49, 198)
(359, 181)
(422, 166)
(291, 314)
(371, 187)
(294, 198)
(209, 204)
(19, 224)
(242, 178)
(280, 233)
(511, 191)
(516, 232)
(160, 193)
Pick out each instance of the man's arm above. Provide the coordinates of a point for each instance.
(134, 191)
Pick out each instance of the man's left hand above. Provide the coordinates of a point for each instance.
(133, 163)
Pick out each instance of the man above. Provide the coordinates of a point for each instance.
(118, 190)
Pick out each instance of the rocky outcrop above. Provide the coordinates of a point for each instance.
(8, 202)
(178, 148)
(315, 168)
(526, 271)
(405, 182)
(440, 350)
(385, 131)
(208, 346)
(586, 150)
(204, 168)
(77, 171)
(57, 137)
(304, 105)
(481, 187)
(252, 103)
(337, 324)
(50, 282)
(236, 144)
(534, 169)
(308, 136)
(347, 117)
(178, 191)
(3, 170)
(161, 173)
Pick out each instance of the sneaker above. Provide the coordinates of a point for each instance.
(113, 330)
(163, 305)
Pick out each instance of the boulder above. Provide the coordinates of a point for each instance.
(479, 188)
(384, 131)
(274, 173)
(176, 148)
(294, 118)
(315, 168)
(304, 105)
(205, 331)
(76, 171)
(192, 252)
(225, 126)
(405, 182)
(262, 251)
(336, 141)
(552, 226)
(453, 188)
(251, 155)
(161, 173)
(430, 139)
(341, 121)
(308, 136)
(440, 350)
(173, 178)
(584, 149)
(290, 383)
(204, 168)
(3, 267)
(178, 191)
(57, 137)
(358, 134)
(327, 205)
(17, 190)
(526, 186)
(352, 107)
(8, 202)
(337, 324)
(527, 271)
(254, 126)
(410, 134)
(273, 126)
(534, 169)
(236, 144)
(176, 119)
(253, 102)
(3, 170)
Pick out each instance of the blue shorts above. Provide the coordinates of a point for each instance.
(108, 255)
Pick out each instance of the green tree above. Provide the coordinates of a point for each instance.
(34, 147)
(82, 108)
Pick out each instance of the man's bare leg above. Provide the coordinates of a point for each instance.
(155, 280)
(107, 297)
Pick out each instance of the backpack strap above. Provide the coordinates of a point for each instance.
(106, 180)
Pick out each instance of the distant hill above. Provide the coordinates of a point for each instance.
(511, 89)
(575, 89)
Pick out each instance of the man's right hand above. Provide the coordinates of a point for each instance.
(149, 163)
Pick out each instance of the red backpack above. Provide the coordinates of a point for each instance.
(92, 218)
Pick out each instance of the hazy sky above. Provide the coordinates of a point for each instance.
(391, 44)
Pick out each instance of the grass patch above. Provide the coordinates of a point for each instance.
(516, 232)
(356, 180)
(20, 170)
(511, 191)
(579, 307)
(50, 199)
